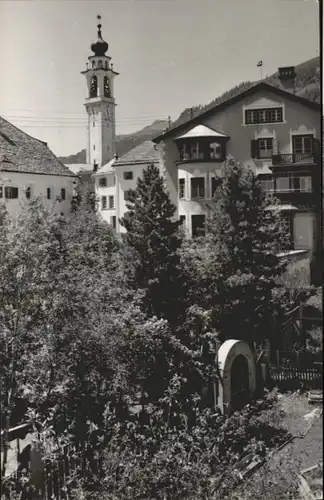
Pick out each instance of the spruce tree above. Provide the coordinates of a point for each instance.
(236, 265)
(153, 239)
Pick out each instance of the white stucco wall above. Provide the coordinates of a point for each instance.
(38, 184)
(108, 190)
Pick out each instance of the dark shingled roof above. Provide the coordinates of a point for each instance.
(143, 153)
(19, 152)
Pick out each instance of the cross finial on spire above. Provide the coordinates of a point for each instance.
(99, 25)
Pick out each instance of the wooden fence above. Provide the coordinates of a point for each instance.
(295, 378)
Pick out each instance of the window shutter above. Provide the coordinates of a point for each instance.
(254, 148)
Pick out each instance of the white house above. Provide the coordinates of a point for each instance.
(29, 169)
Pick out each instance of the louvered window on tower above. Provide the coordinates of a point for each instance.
(94, 87)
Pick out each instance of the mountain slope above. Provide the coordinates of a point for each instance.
(125, 142)
(307, 85)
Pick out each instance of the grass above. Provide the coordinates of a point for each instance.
(278, 478)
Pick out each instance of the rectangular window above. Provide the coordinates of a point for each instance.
(266, 115)
(182, 184)
(127, 195)
(113, 221)
(197, 187)
(282, 184)
(215, 184)
(183, 153)
(111, 203)
(128, 176)
(306, 184)
(103, 202)
(63, 194)
(48, 193)
(103, 181)
(302, 144)
(28, 192)
(195, 151)
(11, 193)
(182, 220)
(265, 148)
(198, 225)
(1, 192)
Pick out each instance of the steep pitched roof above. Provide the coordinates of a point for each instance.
(261, 86)
(19, 152)
(143, 153)
(107, 168)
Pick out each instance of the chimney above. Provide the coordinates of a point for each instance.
(287, 77)
(191, 113)
(116, 156)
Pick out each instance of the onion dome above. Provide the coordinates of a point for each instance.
(100, 47)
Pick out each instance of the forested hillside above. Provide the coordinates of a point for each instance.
(307, 85)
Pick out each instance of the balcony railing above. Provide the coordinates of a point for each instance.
(183, 157)
(293, 158)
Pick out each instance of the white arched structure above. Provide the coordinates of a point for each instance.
(227, 353)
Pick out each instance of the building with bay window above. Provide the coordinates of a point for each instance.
(271, 130)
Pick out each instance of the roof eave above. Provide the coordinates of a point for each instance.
(250, 90)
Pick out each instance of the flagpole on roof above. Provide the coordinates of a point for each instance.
(260, 65)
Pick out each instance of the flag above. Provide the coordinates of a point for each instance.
(260, 63)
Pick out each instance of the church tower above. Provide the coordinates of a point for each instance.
(100, 104)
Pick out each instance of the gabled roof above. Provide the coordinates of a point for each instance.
(201, 131)
(107, 168)
(77, 168)
(260, 86)
(143, 153)
(22, 153)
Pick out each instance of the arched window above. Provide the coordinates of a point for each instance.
(100, 64)
(94, 87)
(215, 151)
(106, 87)
(93, 64)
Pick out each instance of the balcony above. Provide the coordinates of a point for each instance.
(293, 159)
(200, 157)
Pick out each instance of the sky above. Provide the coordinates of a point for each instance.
(170, 55)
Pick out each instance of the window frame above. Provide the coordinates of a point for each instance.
(102, 181)
(302, 137)
(200, 194)
(270, 115)
(48, 193)
(203, 216)
(11, 189)
(103, 202)
(130, 177)
(182, 188)
(111, 202)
